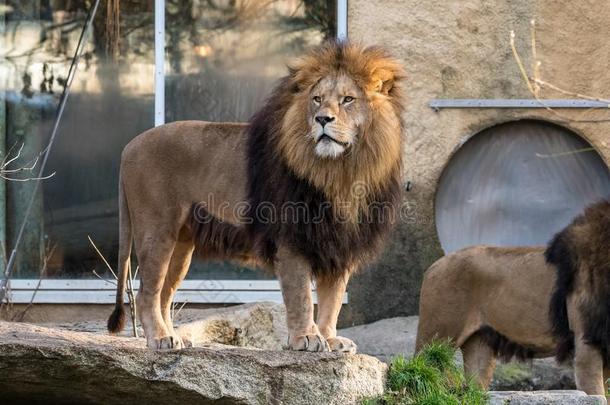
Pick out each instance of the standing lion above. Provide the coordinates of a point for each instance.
(527, 302)
(308, 189)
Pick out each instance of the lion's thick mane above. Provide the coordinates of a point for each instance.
(283, 171)
(581, 255)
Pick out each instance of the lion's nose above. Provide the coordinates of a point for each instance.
(323, 119)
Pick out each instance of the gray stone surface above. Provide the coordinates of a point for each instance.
(81, 362)
(55, 365)
(544, 398)
(263, 326)
(386, 338)
(260, 325)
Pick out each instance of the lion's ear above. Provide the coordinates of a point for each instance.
(385, 76)
(383, 83)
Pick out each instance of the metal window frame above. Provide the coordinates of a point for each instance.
(438, 104)
(341, 19)
(159, 62)
(203, 291)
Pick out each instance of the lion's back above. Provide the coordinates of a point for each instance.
(187, 161)
(186, 139)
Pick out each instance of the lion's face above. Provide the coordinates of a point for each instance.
(339, 122)
(337, 111)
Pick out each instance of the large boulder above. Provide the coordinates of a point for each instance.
(236, 358)
(52, 365)
(260, 325)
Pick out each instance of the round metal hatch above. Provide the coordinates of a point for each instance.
(517, 184)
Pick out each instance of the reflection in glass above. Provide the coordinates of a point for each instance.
(224, 56)
(111, 101)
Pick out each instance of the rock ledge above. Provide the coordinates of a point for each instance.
(566, 397)
(55, 366)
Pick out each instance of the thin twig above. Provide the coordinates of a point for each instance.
(103, 279)
(28, 166)
(28, 178)
(526, 78)
(129, 287)
(174, 313)
(102, 257)
(43, 271)
(570, 93)
(535, 63)
(132, 302)
(520, 64)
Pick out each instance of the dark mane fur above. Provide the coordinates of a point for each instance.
(582, 250)
(217, 239)
(502, 347)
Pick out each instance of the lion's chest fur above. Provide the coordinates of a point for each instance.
(308, 223)
(286, 209)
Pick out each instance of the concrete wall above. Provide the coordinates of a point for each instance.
(461, 49)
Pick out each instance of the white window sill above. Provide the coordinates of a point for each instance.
(54, 291)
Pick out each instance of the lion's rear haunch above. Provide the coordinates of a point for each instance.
(581, 250)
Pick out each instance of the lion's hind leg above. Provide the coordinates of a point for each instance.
(178, 267)
(479, 360)
(154, 252)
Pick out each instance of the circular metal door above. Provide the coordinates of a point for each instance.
(517, 184)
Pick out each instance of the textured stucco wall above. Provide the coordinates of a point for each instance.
(461, 49)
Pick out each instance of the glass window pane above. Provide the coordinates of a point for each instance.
(222, 58)
(111, 101)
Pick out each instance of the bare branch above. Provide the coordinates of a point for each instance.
(570, 93)
(107, 280)
(534, 83)
(102, 257)
(29, 166)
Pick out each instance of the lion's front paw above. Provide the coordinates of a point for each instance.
(309, 343)
(165, 343)
(187, 342)
(179, 343)
(341, 344)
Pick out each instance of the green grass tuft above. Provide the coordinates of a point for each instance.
(440, 355)
(414, 376)
(432, 377)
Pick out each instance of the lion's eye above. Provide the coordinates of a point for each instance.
(317, 99)
(348, 99)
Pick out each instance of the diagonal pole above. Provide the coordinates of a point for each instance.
(82, 41)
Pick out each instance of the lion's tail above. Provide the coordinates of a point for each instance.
(116, 321)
